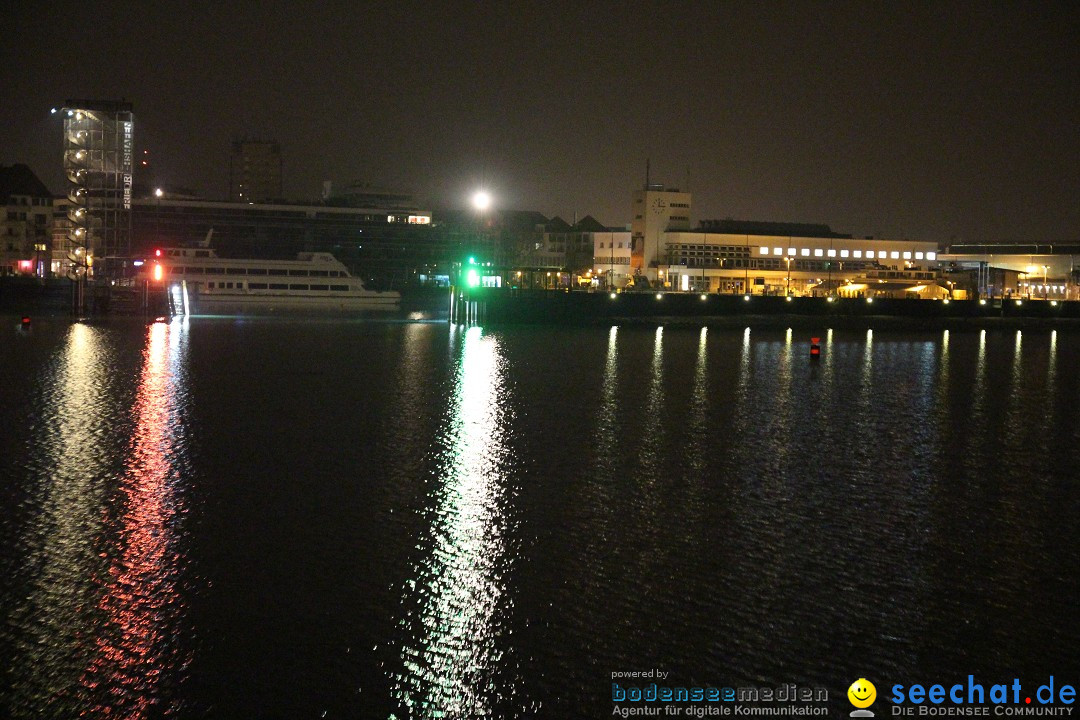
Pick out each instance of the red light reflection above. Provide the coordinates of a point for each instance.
(140, 600)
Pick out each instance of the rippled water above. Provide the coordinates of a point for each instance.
(285, 518)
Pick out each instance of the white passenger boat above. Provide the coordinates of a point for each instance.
(314, 280)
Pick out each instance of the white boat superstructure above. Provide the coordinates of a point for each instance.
(315, 280)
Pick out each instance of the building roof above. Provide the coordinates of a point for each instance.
(589, 224)
(1065, 248)
(557, 224)
(778, 229)
(19, 179)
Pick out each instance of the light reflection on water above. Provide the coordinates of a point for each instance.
(450, 660)
(140, 603)
(60, 541)
(721, 507)
(104, 602)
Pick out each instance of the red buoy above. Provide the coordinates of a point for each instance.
(25, 325)
(815, 348)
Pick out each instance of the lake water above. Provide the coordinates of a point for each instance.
(272, 518)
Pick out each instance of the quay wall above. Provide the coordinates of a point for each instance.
(496, 305)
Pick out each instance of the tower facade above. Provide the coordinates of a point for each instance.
(656, 210)
(99, 138)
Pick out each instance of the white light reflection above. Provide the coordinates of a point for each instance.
(652, 441)
(450, 665)
(1051, 363)
(47, 659)
(699, 404)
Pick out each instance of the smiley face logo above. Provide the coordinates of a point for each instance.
(862, 693)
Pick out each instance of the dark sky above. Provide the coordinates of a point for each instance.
(923, 120)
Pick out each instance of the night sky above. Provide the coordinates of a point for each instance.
(935, 121)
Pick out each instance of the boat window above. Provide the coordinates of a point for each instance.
(256, 286)
(256, 271)
(319, 273)
(210, 285)
(193, 270)
(340, 288)
(298, 273)
(298, 287)
(320, 287)
(215, 271)
(278, 286)
(202, 253)
(228, 286)
(277, 271)
(235, 271)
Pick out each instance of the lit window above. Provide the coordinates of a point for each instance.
(805, 252)
(778, 251)
(870, 254)
(791, 252)
(843, 253)
(907, 256)
(818, 252)
(931, 256)
(894, 255)
(764, 251)
(832, 253)
(918, 256)
(858, 253)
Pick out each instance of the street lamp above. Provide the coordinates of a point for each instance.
(1045, 289)
(787, 292)
(481, 200)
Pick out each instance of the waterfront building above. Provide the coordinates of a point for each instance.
(389, 246)
(98, 161)
(26, 224)
(255, 171)
(799, 263)
(766, 258)
(611, 257)
(1017, 269)
(656, 210)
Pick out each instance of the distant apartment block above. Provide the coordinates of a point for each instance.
(255, 171)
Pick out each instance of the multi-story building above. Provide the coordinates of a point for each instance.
(387, 245)
(656, 210)
(26, 224)
(765, 257)
(255, 172)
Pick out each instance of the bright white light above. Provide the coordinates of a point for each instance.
(159, 192)
(481, 200)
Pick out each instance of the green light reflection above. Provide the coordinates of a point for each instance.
(452, 664)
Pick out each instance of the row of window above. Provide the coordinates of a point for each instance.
(871, 254)
(689, 249)
(180, 270)
(276, 286)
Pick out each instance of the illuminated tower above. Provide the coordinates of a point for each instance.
(98, 160)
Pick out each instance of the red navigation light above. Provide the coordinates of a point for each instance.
(26, 322)
(158, 273)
